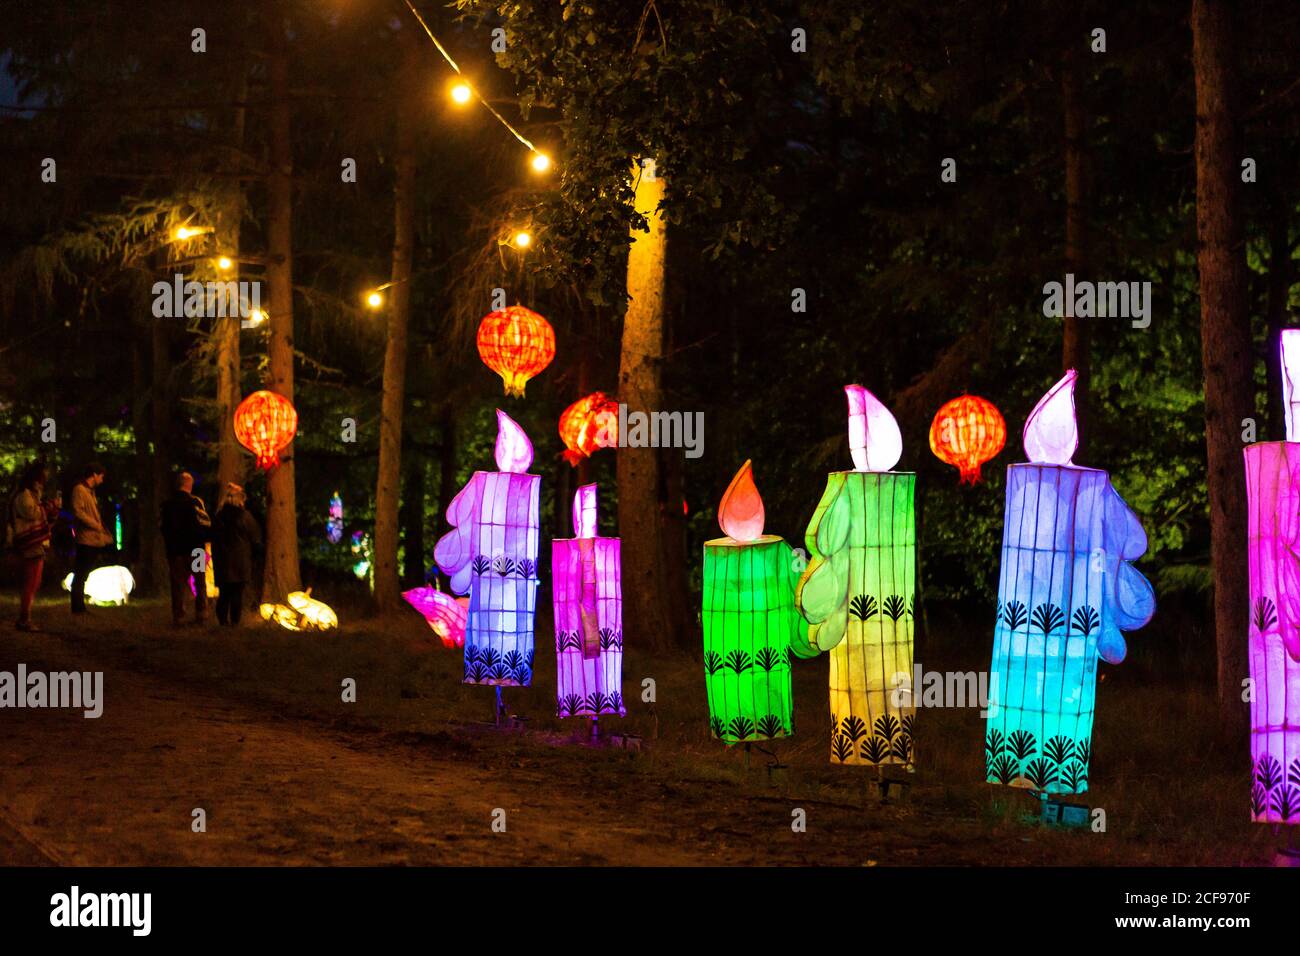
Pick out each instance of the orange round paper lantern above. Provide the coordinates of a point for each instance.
(589, 424)
(517, 344)
(967, 432)
(265, 423)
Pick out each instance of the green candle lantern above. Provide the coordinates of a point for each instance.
(749, 621)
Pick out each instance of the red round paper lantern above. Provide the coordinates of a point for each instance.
(265, 423)
(517, 344)
(967, 432)
(589, 424)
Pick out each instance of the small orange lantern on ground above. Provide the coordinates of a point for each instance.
(967, 432)
(265, 423)
(517, 344)
(587, 425)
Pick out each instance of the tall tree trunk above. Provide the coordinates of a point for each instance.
(1076, 352)
(1279, 292)
(388, 593)
(1225, 336)
(282, 572)
(160, 418)
(149, 451)
(230, 457)
(447, 486)
(640, 388)
(414, 563)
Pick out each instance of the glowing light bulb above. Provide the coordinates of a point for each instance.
(224, 263)
(374, 300)
(461, 92)
(256, 317)
(541, 162)
(523, 240)
(183, 233)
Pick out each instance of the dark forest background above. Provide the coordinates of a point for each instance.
(817, 170)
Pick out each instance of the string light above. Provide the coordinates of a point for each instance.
(462, 92)
(375, 299)
(522, 239)
(223, 263)
(256, 317)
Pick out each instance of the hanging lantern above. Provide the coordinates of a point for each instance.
(749, 621)
(1066, 591)
(491, 555)
(517, 344)
(967, 432)
(1273, 634)
(444, 614)
(587, 587)
(265, 423)
(858, 591)
(587, 425)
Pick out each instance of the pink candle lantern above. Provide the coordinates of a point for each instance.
(491, 554)
(588, 596)
(1273, 496)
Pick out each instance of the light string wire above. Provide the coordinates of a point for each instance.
(474, 92)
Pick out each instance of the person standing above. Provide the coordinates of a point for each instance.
(30, 522)
(186, 529)
(235, 533)
(92, 538)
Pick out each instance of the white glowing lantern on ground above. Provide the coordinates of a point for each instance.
(106, 586)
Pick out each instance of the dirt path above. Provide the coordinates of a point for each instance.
(121, 789)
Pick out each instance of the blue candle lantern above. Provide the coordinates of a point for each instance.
(1065, 594)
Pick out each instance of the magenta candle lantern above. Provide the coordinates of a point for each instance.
(588, 591)
(1273, 496)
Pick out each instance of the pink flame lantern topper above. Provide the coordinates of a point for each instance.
(491, 554)
(445, 615)
(588, 592)
(1273, 635)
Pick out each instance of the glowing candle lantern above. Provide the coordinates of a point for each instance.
(1065, 592)
(517, 344)
(967, 432)
(491, 554)
(334, 524)
(106, 586)
(588, 593)
(749, 620)
(857, 591)
(445, 615)
(1273, 637)
(589, 424)
(265, 423)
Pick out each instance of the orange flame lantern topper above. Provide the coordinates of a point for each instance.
(517, 344)
(589, 424)
(967, 432)
(265, 423)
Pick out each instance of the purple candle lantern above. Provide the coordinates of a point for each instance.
(588, 616)
(491, 553)
(1273, 496)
